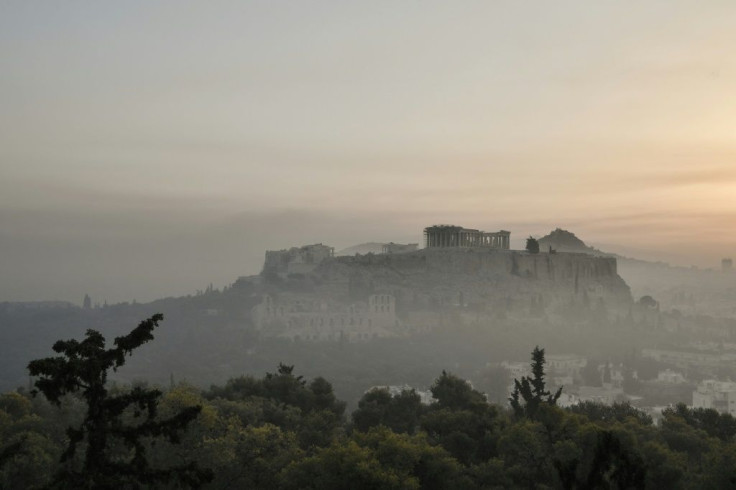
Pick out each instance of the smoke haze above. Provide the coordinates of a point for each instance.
(147, 150)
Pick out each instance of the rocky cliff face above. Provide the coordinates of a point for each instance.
(430, 286)
(486, 278)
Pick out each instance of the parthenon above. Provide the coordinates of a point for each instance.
(439, 236)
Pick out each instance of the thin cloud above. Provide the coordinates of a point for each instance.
(682, 178)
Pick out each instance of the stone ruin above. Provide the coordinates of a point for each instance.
(296, 260)
(442, 236)
(309, 318)
(462, 274)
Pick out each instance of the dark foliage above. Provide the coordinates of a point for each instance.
(715, 424)
(532, 245)
(530, 393)
(83, 368)
(400, 413)
(311, 409)
(618, 412)
(284, 431)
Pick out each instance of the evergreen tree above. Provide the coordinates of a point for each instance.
(83, 368)
(532, 391)
(532, 245)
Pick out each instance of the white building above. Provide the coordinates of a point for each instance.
(720, 395)
(564, 369)
(565, 364)
(517, 369)
(607, 395)
(670, 376)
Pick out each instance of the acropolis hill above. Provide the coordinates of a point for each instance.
(461, 275)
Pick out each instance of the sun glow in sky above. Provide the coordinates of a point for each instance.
(147, 149)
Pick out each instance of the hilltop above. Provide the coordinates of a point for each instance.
(308, 294)
(566, 241)
(376, 317)
(686, 289)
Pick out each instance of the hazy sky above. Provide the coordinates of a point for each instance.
(150, 148)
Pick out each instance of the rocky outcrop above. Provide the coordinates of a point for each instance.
(486, 278)
(565, 241)
(429, 284)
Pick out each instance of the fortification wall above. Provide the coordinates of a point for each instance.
(485, 262)
(438, 287)
(485, 275)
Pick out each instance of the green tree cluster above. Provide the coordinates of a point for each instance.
(282, 431)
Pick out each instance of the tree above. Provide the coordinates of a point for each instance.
(621, 412)
(28, 449)
(532, 390)
(400, 413)
(456, 394)
(378, 458)
(83, 368)
(532, 245)
(614, 465)
(526, 454)
(288, 401)
(715, 424)
(461, 420)
(431, 466)
(648, 302)
(345, 465)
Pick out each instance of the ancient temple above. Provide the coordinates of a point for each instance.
(440, 236)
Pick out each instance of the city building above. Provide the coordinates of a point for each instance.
(719, 395)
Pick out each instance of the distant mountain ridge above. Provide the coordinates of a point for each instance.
(362, 248)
